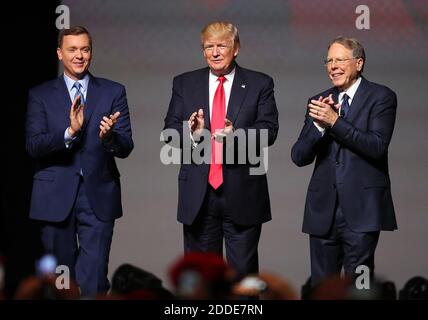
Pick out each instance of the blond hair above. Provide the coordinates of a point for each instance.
(221, 29)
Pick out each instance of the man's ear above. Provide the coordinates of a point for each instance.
(235, 54)
(360, 64)
(59, 53)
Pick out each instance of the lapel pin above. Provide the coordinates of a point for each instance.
(243, 86)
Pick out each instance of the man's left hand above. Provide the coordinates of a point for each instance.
(228, 129)
(323, 111)
(107, 125)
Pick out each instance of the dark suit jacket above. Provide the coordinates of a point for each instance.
(58, 168)
(352, 159)
(251, 105)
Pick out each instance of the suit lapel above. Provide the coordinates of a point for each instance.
(335, 146)
(237, 94)
(93, 95)
(202, 95)
(358, 101)
(62, 95)
(335, 96)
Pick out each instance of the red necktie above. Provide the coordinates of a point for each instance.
(218, 114)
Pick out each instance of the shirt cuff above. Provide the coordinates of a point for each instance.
(68, 139)
(320, 129)
(194, 143)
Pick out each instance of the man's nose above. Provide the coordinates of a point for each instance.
(333, 65)
(216, 51)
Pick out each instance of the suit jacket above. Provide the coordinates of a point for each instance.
(58, 168)
(351, 163)
(251, 106)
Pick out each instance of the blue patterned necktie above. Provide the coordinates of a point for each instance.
(79, 92)
(344, 110)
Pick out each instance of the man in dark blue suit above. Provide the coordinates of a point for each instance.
(76, 125)
(347, 131)
(222, 199)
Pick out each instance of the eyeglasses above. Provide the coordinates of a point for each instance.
(338, 61)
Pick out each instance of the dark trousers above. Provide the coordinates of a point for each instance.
(81, 242)
(213, 224)
(341, 247)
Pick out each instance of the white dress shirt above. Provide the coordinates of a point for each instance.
(227, 85)
(212, 87)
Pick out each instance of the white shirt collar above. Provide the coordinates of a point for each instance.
(227, 85)
(229, 77)
(351, 90)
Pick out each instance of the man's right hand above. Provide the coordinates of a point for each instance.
(76, 117)
(197, 123)
(323, 111)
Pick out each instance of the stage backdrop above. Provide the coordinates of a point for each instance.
(143, 44)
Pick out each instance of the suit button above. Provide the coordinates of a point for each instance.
(337, 163)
